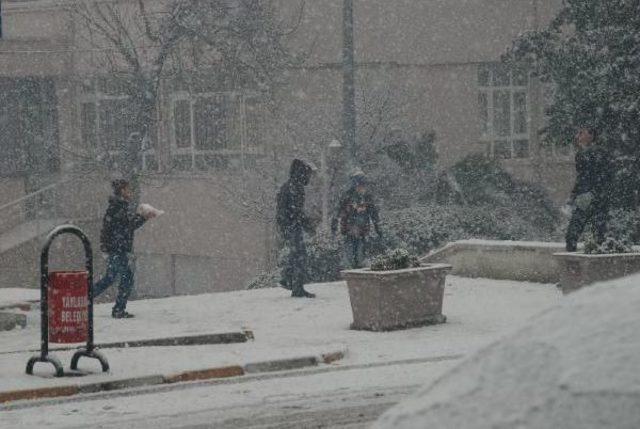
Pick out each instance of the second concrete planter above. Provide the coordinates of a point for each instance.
(580, 269)
(397, 299)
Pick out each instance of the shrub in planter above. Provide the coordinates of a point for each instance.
(396, 259)
(622, 232)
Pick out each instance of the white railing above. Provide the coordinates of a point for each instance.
(35, 207)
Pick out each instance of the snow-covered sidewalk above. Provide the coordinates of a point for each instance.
(478, 311)
(14, 296)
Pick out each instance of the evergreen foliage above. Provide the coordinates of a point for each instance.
(590, 53)
(396, 259)
(589, 56)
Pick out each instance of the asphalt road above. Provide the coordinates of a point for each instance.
(325, 397)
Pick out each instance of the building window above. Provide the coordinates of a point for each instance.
(28, 126)
(504, 111)
(107, 122)
(214, 130)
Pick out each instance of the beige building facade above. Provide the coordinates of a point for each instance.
(217, 155)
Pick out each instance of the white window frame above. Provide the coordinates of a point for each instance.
(244, 149)
(490, 138)
(96, 97)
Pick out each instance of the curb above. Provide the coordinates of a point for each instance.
(191, 375)
(21, 305)
(188, 340)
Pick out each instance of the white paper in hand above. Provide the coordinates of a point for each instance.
(147, 210)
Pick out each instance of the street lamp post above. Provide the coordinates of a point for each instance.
(348, 82)
(328, 167)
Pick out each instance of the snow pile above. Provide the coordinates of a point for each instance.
(10, 296)
(575, 366)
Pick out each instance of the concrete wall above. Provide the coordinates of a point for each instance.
(503, 260)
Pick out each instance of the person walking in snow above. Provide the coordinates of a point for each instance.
(116, 240)
(292, 222)
(590, 195)
(355, 214)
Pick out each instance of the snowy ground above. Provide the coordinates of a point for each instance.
(575, 366)
(478, 311)
(10, 296)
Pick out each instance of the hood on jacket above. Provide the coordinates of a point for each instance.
(300, 172)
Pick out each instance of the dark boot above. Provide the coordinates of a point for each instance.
(301, 293)
(121, 314)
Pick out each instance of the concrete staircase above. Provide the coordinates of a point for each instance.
(25, 222)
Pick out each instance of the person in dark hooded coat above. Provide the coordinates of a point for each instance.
(116, 240)
(590, 197)
(292, 221)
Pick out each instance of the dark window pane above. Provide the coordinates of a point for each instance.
(211, 123)
(502, 113)
(521, 149)
(115, 124)
(502, 149)
(150, 163)
(235, 131)
(520, 112)
(520, 78)
(181, 162)
(28, 126)
(483, 76)
(89, 131)
(483, 106)
(500, 75)
(182, 123)
(11, 159)
(87, 86)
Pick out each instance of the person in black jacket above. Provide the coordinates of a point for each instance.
(292, 221)
(116, 240)
(356, 212)
(590, 195)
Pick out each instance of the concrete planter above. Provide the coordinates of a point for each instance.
(579, 269)
(398, 299)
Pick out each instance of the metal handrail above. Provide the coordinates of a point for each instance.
(31, 195)
(7, 222)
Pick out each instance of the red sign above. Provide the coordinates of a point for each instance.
(68, 306)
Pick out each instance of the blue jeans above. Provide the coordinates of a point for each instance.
(354, 251)
(118, 268)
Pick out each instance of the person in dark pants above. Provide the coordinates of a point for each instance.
(356, 212)
(116, 240)
(292, 222)
(590, 195)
